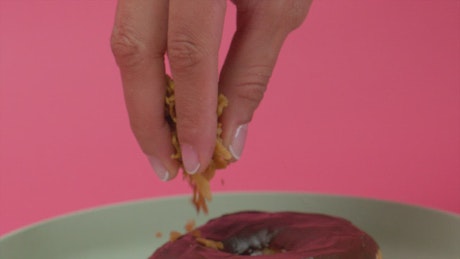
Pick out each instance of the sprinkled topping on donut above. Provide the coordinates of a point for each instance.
(289, 235)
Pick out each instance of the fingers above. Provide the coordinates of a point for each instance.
(262, 27)
(194, 34)
(139, 43)
(140, 38)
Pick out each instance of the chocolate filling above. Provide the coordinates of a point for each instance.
(257, 243)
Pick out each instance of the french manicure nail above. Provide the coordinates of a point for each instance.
(237, 145)
(158, 167)
(190, 158)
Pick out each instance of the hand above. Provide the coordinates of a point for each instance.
(190, 31)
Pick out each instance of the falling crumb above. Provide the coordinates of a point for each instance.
(174, 235)
(159, 234)
(190, 225)
(190, 228)
(210, 243)
(196, 233)
(221, 156)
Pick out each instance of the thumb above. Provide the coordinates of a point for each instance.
(261, 31)
(243, 80)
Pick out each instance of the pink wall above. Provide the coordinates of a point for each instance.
(365, 101)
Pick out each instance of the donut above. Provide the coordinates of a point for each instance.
(270, 235)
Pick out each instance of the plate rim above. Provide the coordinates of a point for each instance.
(112, 205)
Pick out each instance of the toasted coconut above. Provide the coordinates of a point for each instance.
(221, 157)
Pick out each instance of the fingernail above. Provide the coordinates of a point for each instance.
(190, 159)
(158, 167)
(237, 145)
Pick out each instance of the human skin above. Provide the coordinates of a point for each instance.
(189, 33)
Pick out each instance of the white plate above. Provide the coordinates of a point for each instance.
(128, 230)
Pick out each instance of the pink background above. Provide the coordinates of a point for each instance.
(365, 101)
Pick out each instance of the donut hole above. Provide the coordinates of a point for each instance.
(258, 243)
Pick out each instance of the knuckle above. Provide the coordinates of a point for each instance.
(296, 13)
(253, 86)
(291, 13)
(252, 93)
(129, 50)
(284, 15)
(184, 53)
